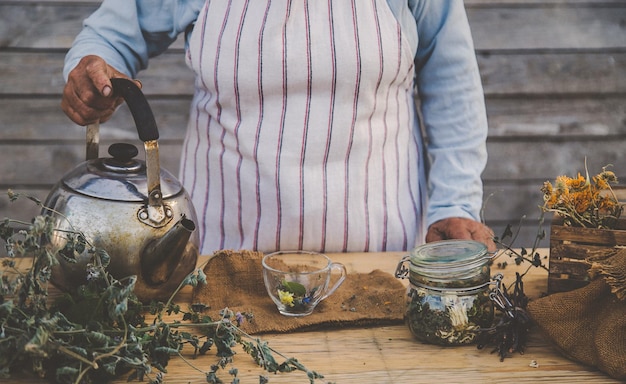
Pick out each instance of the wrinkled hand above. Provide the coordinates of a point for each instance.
(88, 95)
(463, 229)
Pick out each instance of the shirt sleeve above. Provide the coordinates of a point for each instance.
(126, 33)
(452, 107)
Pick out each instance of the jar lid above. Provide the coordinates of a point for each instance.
(448, 256)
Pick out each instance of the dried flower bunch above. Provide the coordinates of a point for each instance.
(583, 201)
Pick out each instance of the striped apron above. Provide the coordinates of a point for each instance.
(302, 128)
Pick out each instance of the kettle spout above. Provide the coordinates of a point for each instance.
(161, 256)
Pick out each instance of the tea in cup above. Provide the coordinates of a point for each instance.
(298, 280)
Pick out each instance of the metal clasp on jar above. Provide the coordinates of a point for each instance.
(500, 299)
(401, 270)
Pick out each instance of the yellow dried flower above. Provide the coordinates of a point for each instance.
(576, 184)
(583, 201)
(285, 297)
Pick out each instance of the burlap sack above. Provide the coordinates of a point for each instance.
(235, 280)
(589, 324)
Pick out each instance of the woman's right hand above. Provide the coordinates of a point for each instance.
(88, 95)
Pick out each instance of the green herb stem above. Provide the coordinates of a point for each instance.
(119, 346)
(62, 349)
(188, 363)
(180, 286)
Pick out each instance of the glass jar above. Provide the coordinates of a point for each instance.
(448, 295)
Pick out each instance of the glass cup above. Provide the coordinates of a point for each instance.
(298, 280)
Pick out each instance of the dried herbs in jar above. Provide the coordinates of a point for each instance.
(448, 296)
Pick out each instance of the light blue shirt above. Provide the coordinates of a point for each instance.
(127, 33)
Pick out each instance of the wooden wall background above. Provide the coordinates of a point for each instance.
(553, 73)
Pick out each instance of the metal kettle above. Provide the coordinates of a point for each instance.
(136, 211)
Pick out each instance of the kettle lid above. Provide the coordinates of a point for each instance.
(119, 178)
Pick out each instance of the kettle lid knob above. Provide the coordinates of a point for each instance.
(123, 159)
(123, 152)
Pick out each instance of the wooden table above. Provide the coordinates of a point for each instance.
(390, 354)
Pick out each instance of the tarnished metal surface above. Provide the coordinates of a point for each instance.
(114, 227)
(93, 141)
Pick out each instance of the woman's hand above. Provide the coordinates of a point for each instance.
(463, 229)
(88, 95)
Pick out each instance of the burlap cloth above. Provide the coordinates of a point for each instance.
(235, 280)
(588, 324)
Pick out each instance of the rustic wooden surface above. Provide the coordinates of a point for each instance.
(553, 73)
(390, 354)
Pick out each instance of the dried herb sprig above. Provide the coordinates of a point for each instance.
(101, 333)
(532, 257)
(509, 332)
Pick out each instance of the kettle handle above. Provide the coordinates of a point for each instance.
(139, 108)
(155, 213)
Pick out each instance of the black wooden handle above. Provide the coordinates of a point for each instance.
(139, 108)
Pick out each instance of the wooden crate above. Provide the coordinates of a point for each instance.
(570, 246)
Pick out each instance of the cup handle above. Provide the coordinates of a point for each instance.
(342, 270)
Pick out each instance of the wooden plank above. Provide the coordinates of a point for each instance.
(569, 267)
(40, 73)
(538, 116)
(498, 27)
(36, 119)
(526, 235)
(40, 26)
(553, 73)
(526, 3)
(46, 164)
(545, 159)
(495, 25)
(515, 204)
(47, 25)
(592, 236)
(502, 74)
(564, 250)
(512, 202)
(65, 2)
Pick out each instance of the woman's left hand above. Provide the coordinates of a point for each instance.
(462, 229)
